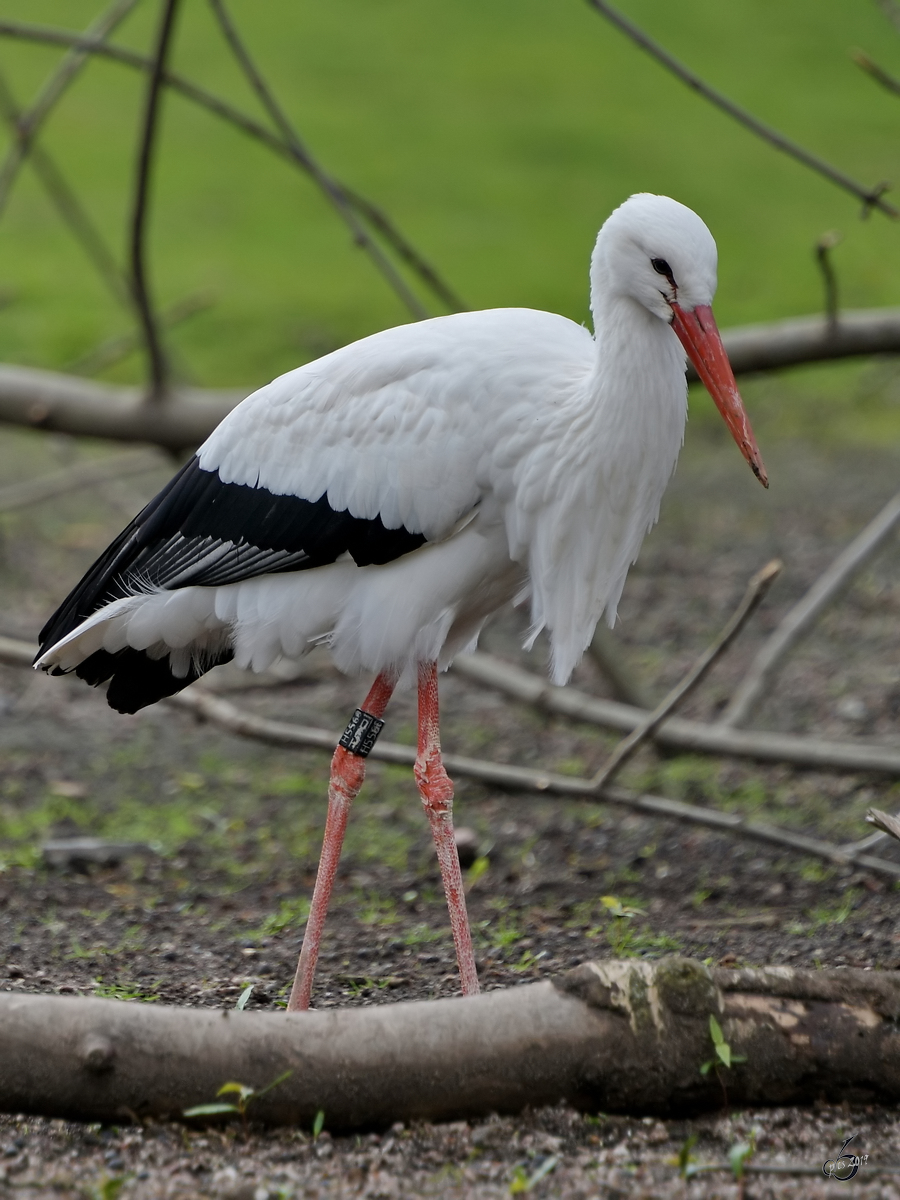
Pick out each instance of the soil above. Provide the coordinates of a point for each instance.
(214, 897)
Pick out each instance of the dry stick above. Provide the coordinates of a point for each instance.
(83, 474)
(696, 737)
(628, 747)
(114, 349)
(885, 822)
(877, 73)
(624, 681)
(225, 715)
(29, 122)
(247, 125)
(891, 10)
(824, 246)
(159, 368)
(378, 220)
(332, 190)
(871, 197)
(68, 206)
(802, 616)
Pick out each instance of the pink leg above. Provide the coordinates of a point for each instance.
(437, 796)
(348, 769)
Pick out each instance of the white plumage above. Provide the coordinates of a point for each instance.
(532, 457)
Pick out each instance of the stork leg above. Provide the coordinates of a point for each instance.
(348, 770)
(436, 791)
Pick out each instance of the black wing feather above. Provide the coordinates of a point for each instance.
(201, 531)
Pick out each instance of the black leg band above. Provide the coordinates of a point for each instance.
(361, 734)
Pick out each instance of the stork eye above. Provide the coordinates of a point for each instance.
(661, 267)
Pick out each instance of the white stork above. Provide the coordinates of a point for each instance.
(387, 498)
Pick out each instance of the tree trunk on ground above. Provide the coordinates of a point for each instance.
(612, 1036)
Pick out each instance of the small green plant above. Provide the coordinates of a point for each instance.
(123, 991)
(244, 1096)
(476, 871)
(421, 935)
(738, 1156)
(109, 1188)
(523, 1182)
(318, 1124)
(723, 1059)
(244, 997)
(723, 1056)
(291, 915)
(686, 1156)
(528, 960)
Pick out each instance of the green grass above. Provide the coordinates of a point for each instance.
(498, 135)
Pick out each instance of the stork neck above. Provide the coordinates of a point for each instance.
(635, 349)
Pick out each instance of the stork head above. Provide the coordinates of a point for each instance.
(659, 253)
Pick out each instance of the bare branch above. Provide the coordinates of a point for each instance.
(891, 10)
(824, 246)
(877, 73)
(158, 366)
(68, 206)
(331, 189)
(801, 618)
(628, 747)
(29, 122)
(248, 126)
(885, 822)
(114, 349)
(203, 704)
(624, 681)
(870, 197)
(678, 733)
(426, 272)
(81, 475)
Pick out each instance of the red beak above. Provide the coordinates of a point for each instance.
(698, 334)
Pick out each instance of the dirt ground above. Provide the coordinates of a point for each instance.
(217, 899)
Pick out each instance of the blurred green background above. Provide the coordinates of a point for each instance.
(497, 133)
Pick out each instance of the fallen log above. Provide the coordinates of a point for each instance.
(625, 1036)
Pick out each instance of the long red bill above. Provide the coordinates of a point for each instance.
(698, 334)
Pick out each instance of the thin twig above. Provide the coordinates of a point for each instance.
(159, 369)
(248, 126)
(81, 475)
(30, 121)
(378, 220)
(870, 197)
(621, 677)
(877, 73)
(69, 207)
(803, 615)
(695, 737)
(824, 246)
(115, 349)
(331, 189)
(226, 715)
(885, 822)
(891, 10)
(628, 747)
